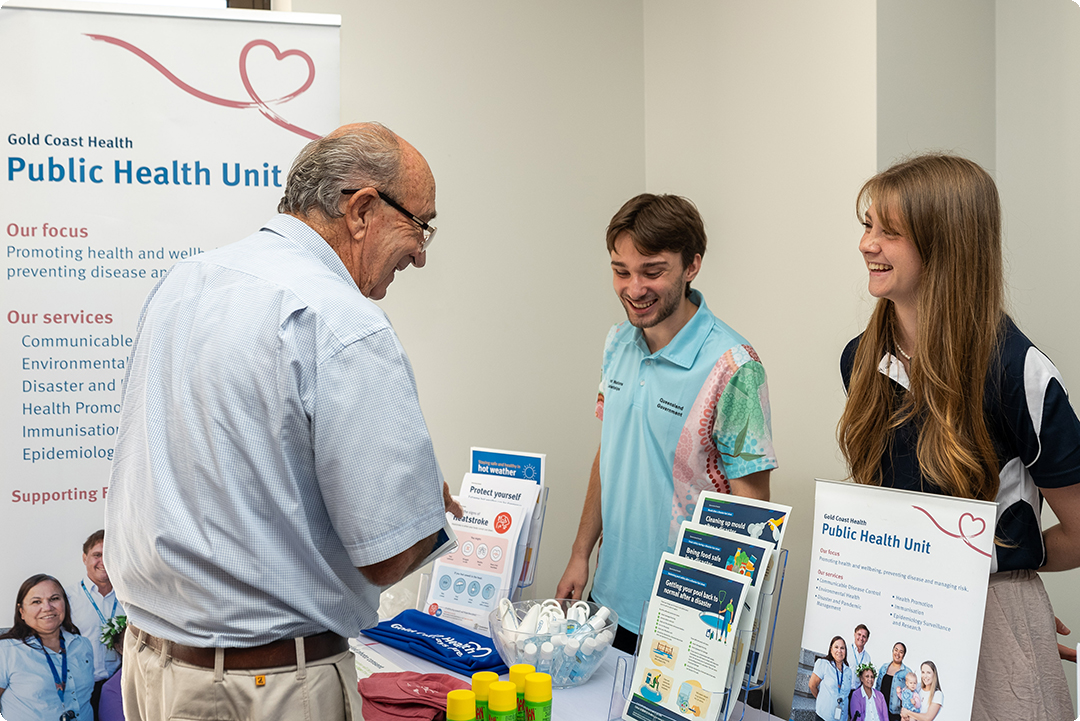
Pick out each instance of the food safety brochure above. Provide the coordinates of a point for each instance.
(527, 467)
(760, 520)
(467, 583)
(913, 569)
(738, 554)
(686, 643)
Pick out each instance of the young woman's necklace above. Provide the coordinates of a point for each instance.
(902, 352)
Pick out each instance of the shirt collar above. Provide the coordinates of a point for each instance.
(891, 366)
(684, 347)
(91, 586)
(294, 229)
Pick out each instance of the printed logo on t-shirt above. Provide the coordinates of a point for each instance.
(614, 385)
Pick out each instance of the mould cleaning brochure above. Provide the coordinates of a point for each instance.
(468, 583)
(686, 643)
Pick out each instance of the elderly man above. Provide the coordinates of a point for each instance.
(684, 405)
(273, 469)
(93, 604)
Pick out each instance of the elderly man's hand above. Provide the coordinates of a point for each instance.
(451, 505)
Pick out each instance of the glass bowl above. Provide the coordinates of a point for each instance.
(520, 646)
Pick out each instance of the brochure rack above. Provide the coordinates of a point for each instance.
(622, 686)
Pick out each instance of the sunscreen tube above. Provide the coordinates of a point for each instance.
(537, 697)
(460, 705)
(502, 701)
(481, 681)
(518, 672)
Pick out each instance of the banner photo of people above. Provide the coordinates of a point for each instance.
(894, 609)
(132, 135)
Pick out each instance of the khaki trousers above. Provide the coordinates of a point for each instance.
(157, 687)
(1020, 677)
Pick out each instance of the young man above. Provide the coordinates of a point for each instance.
(684, 405)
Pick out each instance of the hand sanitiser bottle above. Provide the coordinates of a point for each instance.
(461, 705)
(537, 697)
(566, 661)
(502, 701)
(593, 625)
(547, 653)
(481, 680)
(584, 660)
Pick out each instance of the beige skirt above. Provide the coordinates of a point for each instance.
(1020, 676)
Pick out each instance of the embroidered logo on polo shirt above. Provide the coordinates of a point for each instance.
(614, 385)
(670, 407)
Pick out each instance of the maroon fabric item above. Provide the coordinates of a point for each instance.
(406, 695)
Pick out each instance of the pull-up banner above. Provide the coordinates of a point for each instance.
(133, 137)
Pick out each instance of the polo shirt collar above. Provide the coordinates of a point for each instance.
(891, 367)
(687, 343)
(294, 229)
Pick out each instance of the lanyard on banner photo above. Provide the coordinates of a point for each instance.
(92, 601)
(62, 676)
(839, 691)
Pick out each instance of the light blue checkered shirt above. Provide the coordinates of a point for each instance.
(271, 441)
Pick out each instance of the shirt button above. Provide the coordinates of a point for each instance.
(642, 383)
(648, 362)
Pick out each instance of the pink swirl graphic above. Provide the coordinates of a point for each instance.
(961, 533)
(256, 102)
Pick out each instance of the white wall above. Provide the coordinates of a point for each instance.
(936, 79)
(764, 115)
(1038, 174)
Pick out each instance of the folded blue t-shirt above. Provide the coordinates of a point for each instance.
(440, 642)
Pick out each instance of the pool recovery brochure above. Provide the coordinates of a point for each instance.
(468, 583)
(687, 641)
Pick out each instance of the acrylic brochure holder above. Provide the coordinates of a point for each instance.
(622, 687)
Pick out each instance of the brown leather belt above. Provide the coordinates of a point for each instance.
(269, 655)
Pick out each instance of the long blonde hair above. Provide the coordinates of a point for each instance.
(948, 207)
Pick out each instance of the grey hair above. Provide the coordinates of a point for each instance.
(367, 156)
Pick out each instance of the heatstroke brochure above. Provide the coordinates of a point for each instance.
(912, 568)
(467, 583)
(686, 646)
(738, 554)
(528, 467)
(759, 520)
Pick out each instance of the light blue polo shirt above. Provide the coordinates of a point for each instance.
(678, 421)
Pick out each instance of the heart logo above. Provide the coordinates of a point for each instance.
(278, 55)
(968, 523)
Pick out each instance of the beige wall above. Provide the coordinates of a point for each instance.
(763, 114)
(1038, 174)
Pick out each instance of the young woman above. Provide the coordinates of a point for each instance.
(930, 696)
(867, 703)
(831, 682)
(891, 677)
(46, 668)
(946, 395)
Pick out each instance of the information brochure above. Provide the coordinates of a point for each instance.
(687, 641)
(527, 467)
(468, 583)
(912, 568)
(759, 520)
(738, 554)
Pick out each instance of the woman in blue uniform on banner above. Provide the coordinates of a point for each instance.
(946, 395)
(46, 667)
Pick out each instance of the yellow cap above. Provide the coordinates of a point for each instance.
(461, 705)
(518, 672)
(480, 682)
(502, 696)
(538, 687)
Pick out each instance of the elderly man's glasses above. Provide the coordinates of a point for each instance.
(428, 230)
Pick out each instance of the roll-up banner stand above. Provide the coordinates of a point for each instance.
(134, 136)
